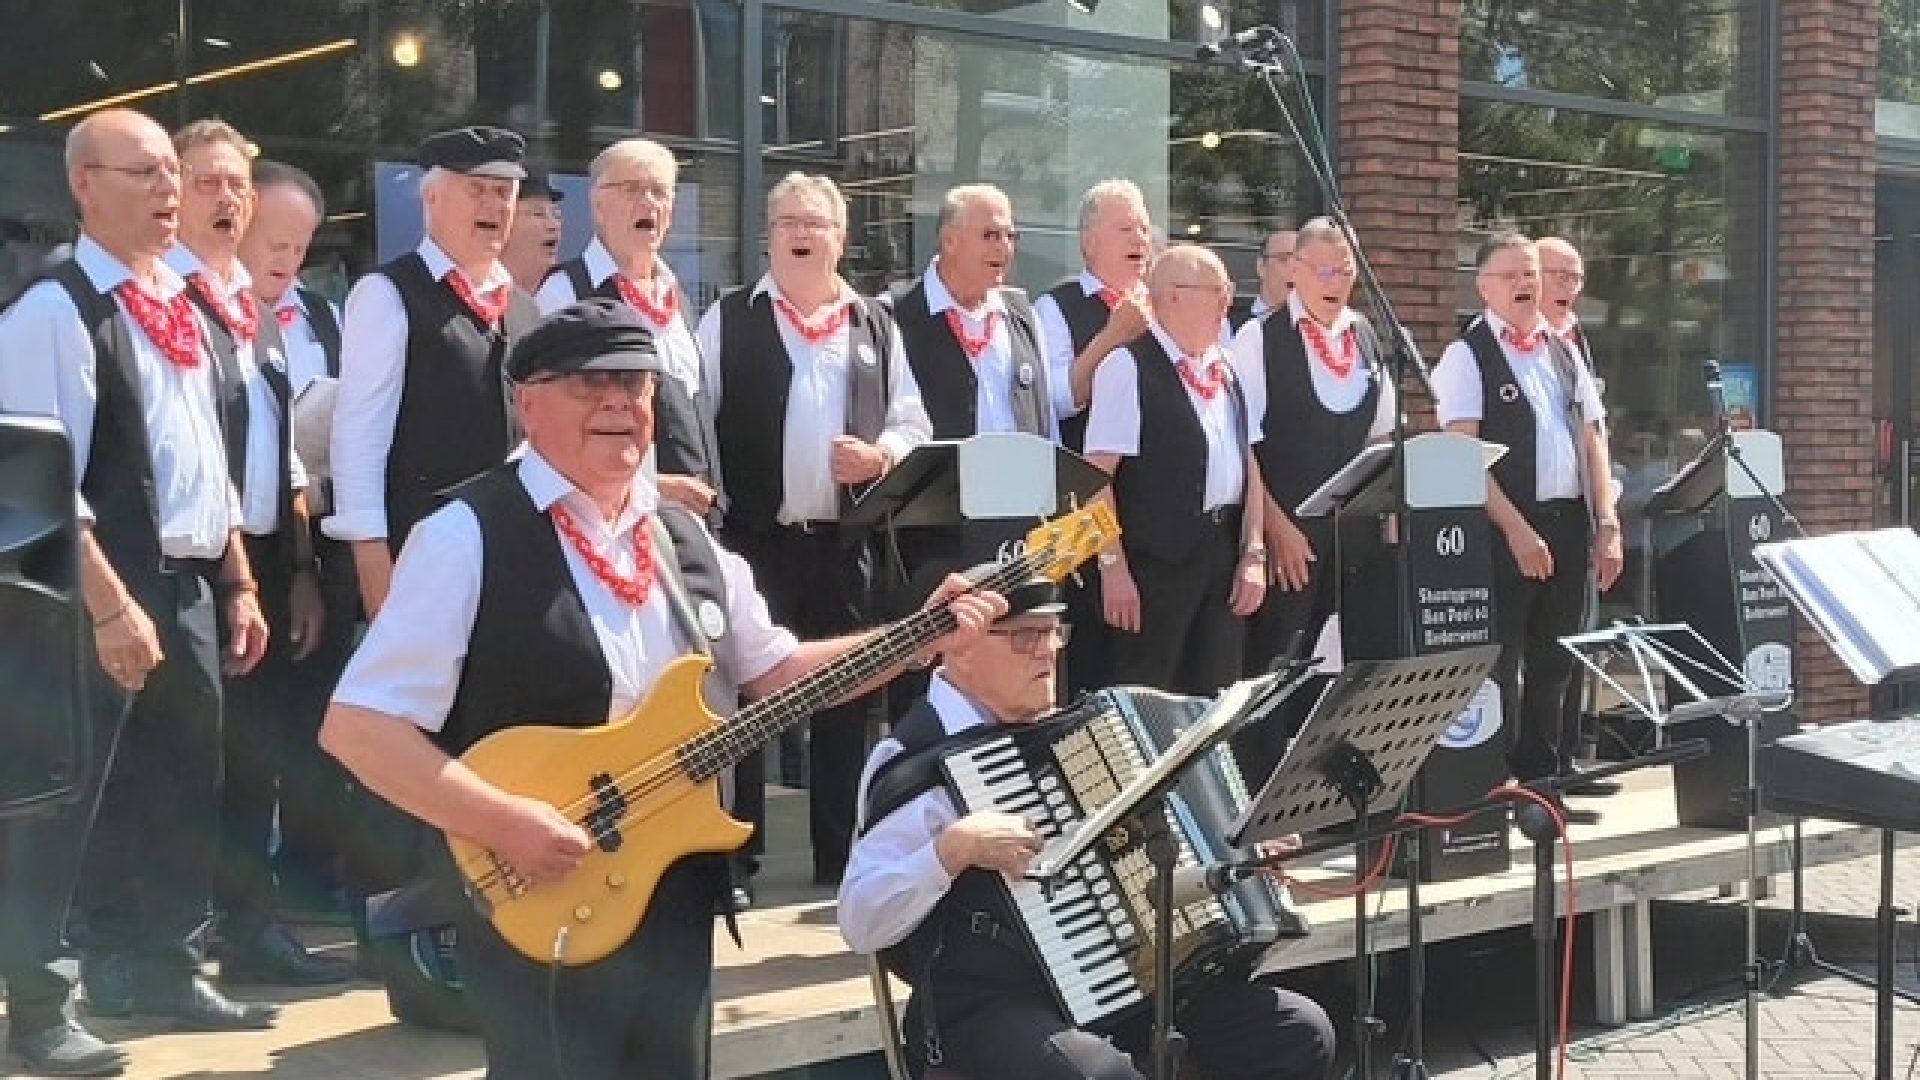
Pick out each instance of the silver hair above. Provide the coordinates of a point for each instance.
(643, 153)
(1104, 192)
(820, 187)
(957, 199)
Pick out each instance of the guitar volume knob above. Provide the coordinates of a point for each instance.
(582, 913)
(616, 881)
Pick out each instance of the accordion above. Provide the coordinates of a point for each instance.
(1092, 926)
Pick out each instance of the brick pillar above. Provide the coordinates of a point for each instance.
(1400, 152)
(1823, 377)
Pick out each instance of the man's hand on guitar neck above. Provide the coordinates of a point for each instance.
(973, 611)
(536, 840)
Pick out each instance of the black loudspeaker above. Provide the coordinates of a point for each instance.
(44, 734)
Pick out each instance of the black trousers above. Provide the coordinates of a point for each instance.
(40, 858)
(646, 1010)
(1532, 615)
(1190, 641)
(817, 586)
(1286, 628)
(314, 786)
(1235, 1030)
(147, 879)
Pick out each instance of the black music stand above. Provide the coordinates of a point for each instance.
(1361, 746)
(1243, 702)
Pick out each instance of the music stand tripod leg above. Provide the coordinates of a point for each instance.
(1168, 1044)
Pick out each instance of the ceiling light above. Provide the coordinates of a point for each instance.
(1210, 140)
(610, 80)
(406, 50)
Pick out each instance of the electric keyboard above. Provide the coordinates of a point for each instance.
(1866, 772)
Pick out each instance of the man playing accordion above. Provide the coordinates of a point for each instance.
(920, 890)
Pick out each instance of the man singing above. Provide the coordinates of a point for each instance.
(543, 593)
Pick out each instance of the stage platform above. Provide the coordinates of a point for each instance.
(795, 997)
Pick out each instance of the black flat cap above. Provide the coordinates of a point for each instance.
(598, 334)
(1035, 596)
(539, 185)
(475, 151)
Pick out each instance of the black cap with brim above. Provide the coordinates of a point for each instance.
(479, 150)
(1035, 596)
(538, 185)
(597, 334)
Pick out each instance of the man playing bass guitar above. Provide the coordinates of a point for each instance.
(544, 593)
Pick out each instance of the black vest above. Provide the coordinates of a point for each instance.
(118, 484)
(962, 965)
(326, 329)
(455, 417)
(1302, 441)
(949, 385)
(270, 357)
(755, 376)
(1506, 413)
(1161, 492)
(683, 438)
(1085, 317)
(531, 617)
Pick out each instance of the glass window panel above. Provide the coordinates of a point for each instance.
(930, 111)
(1697, 55)
(1669, 221)
(1897, 115)
(1161, 20)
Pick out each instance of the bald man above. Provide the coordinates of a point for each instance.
(1169, 424)
(122, 362)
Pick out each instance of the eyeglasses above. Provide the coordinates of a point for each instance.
(1197, 286)
(593, 385)
(1571, 277)
(1330, 274)
(1511, 276)
(1028, 640)
(212, 183)
(634, 189)
(804, 223)
(148, 174)
(1274, 256)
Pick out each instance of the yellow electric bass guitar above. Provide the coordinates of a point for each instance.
(646, 786)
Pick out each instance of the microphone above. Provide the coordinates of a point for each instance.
(1248, 40)
(1717, 391)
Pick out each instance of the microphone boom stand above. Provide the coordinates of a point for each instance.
(1259, 52)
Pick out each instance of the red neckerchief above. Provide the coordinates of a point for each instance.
(489, 309)
(816, 331)
(1526, 343)
(660, 314)
(1108, 297)
(1207, 385)
(169, 324)
(971, 345)
(286, 317)
(1316, 336)
(243, 324)
(631, 590)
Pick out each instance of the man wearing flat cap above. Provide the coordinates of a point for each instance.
(546, 591)
(921, 891)
(533, 244)
(422, 403)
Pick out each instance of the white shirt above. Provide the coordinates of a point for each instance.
(993, 368)
(373, 368)
(409, 664)
(306, 356)
(894, 877)
(1339, 394)
(672, 340)
(47, 369)
(260, 485)
(1113, 420)
(1059, 339)
(1556, 452)
(817, 405)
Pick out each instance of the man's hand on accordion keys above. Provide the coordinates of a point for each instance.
(991, 841)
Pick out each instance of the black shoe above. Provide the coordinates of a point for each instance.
(106, 980)
(276, 958)
(67, 1049)
(197, 1006)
